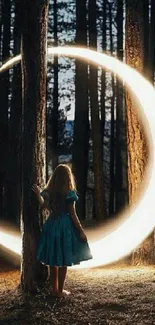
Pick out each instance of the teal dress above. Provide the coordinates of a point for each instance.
(60, 242)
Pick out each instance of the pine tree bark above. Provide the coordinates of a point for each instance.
(81, 121)
(137, 146)
(34, 36)
(100, 206)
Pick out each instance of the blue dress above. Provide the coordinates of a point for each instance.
(60, 242)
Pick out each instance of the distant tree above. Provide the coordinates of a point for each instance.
(152, 43)
(4, 98)
(0, 31)
(100, 205)
(1, 125)
(103, 29)
(14, 166)
(146, 15)
(137, 146)
(121, 141)
(81, 122)
(103, 74)
(54, 111)
(59, 92)
(112, 125)
(34, 35)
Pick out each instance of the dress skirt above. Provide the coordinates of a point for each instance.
(60, 242)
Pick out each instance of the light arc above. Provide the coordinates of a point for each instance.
(137, 223)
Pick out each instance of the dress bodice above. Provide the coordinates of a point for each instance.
(71, 197)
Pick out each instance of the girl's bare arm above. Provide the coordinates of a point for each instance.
(36, 189)
(76, 220)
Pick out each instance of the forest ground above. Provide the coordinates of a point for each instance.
(109, 295)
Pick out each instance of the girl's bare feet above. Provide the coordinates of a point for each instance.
(65, 293)
(61, 293)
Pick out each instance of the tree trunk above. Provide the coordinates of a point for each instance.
(1, 169)
(146, 37)
(112, 131)
(103, 88)
(34, 36)
(100, 207)
(103, 76)
(137, 146)
(1, 31)
(121, 186)
(81, 121)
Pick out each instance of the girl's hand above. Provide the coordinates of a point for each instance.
(45, 213)
(83, 236)
(36, 189)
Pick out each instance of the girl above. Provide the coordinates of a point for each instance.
(63, 241)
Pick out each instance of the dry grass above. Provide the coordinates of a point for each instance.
(111, 295)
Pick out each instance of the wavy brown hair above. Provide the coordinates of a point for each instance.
(59, 184)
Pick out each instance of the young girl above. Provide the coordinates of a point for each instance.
(63, 241)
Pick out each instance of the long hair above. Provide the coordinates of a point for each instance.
(59, 184)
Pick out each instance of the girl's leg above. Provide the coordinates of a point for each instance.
(54, 278)
(62, 272)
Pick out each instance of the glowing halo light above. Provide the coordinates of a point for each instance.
(141, 222)
(11, 242)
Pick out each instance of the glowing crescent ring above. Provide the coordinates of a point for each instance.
(133, 230)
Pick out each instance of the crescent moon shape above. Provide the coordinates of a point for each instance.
(137, 222)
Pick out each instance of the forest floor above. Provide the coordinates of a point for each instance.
(108, 295)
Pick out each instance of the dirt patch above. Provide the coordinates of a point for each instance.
(114, 296)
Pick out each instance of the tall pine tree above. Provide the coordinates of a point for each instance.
(81, 121)
(34, 35)
(100, 208)
(137, 146)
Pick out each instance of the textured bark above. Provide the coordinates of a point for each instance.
(145, 253)
(81, 122)
(34, 33)
(121, 186)
(100, 206)
(137, 146)
(137, 155)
